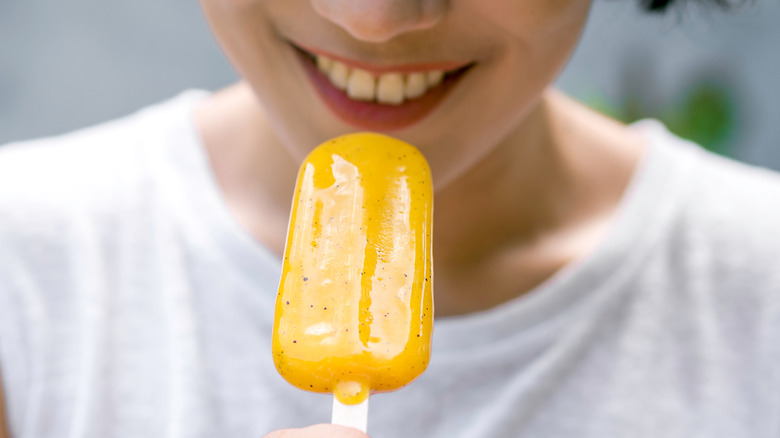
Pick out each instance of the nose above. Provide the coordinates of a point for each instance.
(380, 20)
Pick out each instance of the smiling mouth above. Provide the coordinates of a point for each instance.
(387, 87)
(380, 98)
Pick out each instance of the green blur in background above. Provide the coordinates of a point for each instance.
(706, 113)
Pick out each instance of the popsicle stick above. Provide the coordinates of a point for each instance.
(350, 415)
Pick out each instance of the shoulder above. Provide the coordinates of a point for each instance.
(726, 227)
(736, 204)
(714, 256)
(43, 180)
(48, 169)
(720, 197)
(58, 193)
(91, 167)
(91, 157)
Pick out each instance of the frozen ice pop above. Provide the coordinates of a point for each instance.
(354, 312)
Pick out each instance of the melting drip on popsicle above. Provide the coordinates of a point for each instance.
(354, 311)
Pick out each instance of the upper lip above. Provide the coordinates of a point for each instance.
(379, 70)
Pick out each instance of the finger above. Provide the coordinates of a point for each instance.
(334, 431)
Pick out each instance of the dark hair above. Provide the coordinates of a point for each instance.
(658, 6)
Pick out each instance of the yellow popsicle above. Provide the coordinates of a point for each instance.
(354, 312)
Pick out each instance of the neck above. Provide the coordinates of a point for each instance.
(540, 199)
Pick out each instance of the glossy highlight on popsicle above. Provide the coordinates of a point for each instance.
(354, 311)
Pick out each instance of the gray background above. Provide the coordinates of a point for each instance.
(65, 64)
(71, 63)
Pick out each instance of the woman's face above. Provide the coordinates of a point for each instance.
(453, 77)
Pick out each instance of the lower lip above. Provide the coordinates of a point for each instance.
(374, 116)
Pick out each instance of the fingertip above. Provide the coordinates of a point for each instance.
(335, 431)
(277, 433)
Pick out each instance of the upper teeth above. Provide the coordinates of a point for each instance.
(389, 88)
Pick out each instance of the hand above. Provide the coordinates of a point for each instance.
(318, 431)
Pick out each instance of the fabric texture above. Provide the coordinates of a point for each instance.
(132, 304)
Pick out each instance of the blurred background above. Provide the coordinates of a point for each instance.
(710, 76)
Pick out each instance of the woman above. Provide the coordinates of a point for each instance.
(592, 279)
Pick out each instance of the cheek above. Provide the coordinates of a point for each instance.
(532, 40)
(530, 21)
(245, 32)
(539, 37)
